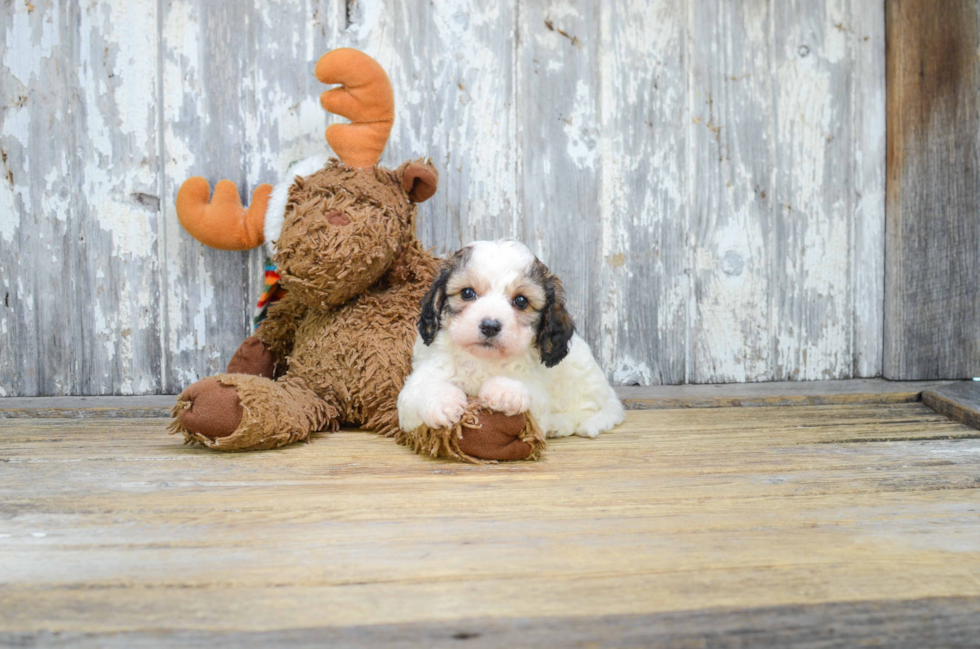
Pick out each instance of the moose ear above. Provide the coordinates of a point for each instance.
(556, 327)
(419, 180)
(432, 304)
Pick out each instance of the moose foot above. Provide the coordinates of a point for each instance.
(255, 358)
(481, 435)
(240, 412)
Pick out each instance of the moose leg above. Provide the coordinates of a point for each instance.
(256, 358)
(240, 412)
(481, 435)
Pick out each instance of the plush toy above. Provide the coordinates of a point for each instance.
(345, 289)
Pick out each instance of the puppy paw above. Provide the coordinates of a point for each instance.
(505, 395)
(445, 408)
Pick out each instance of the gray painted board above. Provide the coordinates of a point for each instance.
(707, 177)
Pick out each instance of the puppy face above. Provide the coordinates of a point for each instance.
(496, 300)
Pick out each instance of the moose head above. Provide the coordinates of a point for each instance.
(339, 226)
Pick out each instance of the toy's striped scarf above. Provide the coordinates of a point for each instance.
(271, 293)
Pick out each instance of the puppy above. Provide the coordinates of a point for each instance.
(494, 326)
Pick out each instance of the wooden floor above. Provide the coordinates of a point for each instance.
(818, 525)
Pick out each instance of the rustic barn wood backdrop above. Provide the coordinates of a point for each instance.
(706, 175)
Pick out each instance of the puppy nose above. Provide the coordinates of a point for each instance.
(490, 328)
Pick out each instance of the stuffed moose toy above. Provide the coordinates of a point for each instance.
(336, 345)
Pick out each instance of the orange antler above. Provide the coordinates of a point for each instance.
(365, 98)
(223, 223)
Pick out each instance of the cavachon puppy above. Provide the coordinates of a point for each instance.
(494, 327)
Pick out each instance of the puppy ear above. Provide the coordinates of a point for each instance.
(556, 327)
(432, 305)
(419, 179)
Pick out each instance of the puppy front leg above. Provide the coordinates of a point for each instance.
(512, 397)
(428, 400)
(505, 395)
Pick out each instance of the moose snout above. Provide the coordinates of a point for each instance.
(338, 218)
(490, 328)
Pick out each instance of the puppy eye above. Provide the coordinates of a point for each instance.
(468, 294)
(520, 302)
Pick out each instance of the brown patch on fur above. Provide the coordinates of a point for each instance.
(533, 291)
(434, 302)
(212, 409)
(465, 278)
(556, 326)
(348, 323)
(254, 357)
(445, 442)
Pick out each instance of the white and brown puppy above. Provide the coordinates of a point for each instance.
(494, 326)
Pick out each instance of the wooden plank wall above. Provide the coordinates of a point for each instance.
(932, 280)
(707, 176)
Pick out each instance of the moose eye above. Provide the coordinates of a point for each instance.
(468, 294)
(520, 302)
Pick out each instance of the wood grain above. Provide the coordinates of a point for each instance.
(788, 393)
(646, 150)
(911, 624)
(208, 129)
(560, 137)
(38, 248)
(932, 298)
(959, 401)
(117, 528)
(784, 393)
(644, 140)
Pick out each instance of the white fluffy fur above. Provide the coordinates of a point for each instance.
(275, 212)
(571, 398)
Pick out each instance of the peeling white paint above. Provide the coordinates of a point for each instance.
(631, 372)
(480, 120)
(677, 129)
(13, 181)
(124, 36)
(581, 128)
(9, 214)
(26, 47)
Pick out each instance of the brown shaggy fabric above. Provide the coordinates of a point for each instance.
(480, 437)
(346, 327)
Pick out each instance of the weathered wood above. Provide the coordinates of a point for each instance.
(80, 203)
(90, 407)
(788, 393)
(39, 353)
(452, 65)
(911, 624)
(730, 222)
(647, 151)
(932, 296)
(115, 309)
(558, 98)
(867, 180)
(826, 80)
(781, 184)
(645, 132)
(959, 401)
(115, 528)
(208, 129)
